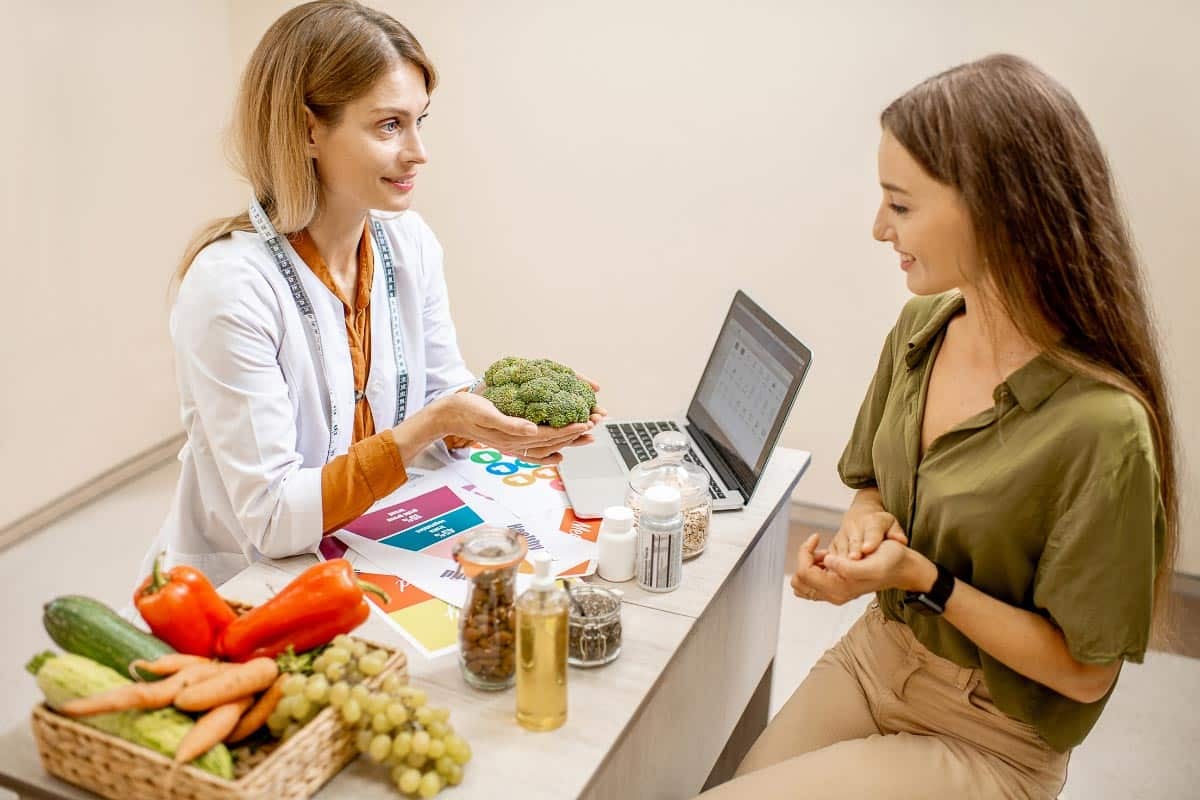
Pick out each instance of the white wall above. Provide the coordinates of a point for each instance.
(110, 158)
(603, 176)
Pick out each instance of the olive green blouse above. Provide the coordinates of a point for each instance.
(1048, 501)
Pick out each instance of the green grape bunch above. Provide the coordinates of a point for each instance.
(539, 390)
(393, 725)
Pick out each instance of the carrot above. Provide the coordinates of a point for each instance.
(232, 683)
(146, 696)
(210, 729)
(165, 665)
(257, 716)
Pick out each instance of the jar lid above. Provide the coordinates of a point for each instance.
(669, 468)
(489, 547)
(599, 603)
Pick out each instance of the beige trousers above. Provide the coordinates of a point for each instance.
(880, 716)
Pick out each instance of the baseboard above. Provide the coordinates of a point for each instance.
(811, 515)
(1183, 583)
(85, 493)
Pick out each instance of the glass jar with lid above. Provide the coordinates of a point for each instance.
(594, 626)
(670, 467)
(489, 557)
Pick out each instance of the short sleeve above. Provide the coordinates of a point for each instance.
(856, 466)
(1096, 574)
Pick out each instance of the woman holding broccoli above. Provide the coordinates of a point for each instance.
(315, 351)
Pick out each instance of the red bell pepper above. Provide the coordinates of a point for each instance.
(183, 609)
(323, 601)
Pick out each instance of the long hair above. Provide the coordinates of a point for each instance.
(1053, 244)
(320, 55)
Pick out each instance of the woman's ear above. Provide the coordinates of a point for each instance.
(312, 123)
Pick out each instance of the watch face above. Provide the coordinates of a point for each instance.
(921, 603)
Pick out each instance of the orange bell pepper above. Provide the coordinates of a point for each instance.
(323, 601)
(183, 609)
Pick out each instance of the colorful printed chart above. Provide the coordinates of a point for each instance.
(427, 622)
(528, 490)
(584, 530)
(427, 523)
(413, 532)
(405, 542)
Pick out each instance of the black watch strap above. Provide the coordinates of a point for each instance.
(934, 601)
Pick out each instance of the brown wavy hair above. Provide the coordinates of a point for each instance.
(322, 55)
(1053, 244)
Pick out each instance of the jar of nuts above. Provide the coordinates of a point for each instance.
(489, 557)
(671, 467)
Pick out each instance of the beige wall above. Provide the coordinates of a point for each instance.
(603, 176)
(110, 157)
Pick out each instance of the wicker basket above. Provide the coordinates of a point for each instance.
(120, 770)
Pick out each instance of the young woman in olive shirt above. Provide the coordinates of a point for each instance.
(1016, 507)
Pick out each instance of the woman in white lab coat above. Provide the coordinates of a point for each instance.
(315, 351)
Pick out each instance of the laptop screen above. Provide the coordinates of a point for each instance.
(747, 390)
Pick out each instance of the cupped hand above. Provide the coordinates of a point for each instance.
(598, 413)
(476, 418)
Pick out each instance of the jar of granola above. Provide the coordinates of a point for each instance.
(671, 467)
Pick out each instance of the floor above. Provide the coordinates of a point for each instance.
(1142, 749)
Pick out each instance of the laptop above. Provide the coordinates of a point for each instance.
(739, 408)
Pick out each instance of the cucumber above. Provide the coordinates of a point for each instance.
(88, 628)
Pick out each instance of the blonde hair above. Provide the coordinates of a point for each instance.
(321, 56)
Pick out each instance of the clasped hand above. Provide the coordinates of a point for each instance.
(869, 552)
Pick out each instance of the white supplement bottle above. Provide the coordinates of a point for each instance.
(617, 545)
(660, 540)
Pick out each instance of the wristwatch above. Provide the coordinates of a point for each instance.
(933, 601)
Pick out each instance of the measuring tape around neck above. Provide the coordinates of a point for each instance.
(312, 329)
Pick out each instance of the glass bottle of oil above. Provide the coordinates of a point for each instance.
(542, 651)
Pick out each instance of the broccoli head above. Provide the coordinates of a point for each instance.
(539, 390)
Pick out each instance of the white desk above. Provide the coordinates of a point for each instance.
(682, 703)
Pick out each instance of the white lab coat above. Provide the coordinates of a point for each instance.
(253, 394)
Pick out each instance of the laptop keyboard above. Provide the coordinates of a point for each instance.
(635, 443)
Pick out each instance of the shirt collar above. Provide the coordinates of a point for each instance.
(920, 341)
(1031, 384)
(1034, 382)
(306, 248)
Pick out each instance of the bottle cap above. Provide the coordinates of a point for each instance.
(489, 547)
(617, 519)
(661, 501)
(542, 579)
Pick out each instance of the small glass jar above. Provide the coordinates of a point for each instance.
(489, 557)
(594, 637)
(670, 468)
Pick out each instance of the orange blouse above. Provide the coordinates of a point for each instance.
(372, 468)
